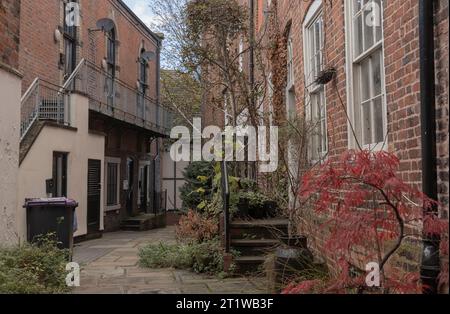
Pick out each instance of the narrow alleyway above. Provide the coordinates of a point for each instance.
(110, 266)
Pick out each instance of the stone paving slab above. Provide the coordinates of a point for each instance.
(110, 266)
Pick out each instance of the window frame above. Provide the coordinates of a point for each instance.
(290, 82)
(354, 91)
(70, 35)
(315, 13)
(118, 163)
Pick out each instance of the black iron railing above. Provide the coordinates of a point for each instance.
(226, 205)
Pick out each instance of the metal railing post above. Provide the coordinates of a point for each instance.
(226, 205)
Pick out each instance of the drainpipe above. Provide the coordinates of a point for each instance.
(430, 267)
(252, 165)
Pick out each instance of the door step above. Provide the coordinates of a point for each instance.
(144, 222)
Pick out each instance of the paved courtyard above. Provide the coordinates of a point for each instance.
(110, 266)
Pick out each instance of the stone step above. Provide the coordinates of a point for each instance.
(259, 229)
(126, 227)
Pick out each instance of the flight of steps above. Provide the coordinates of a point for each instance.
(254, 240)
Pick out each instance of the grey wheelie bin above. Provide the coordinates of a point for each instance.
(51, 216)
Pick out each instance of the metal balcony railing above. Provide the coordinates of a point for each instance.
(116, 99)
(44, 101)
(107, 95)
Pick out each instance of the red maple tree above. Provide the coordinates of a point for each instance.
(369, 211)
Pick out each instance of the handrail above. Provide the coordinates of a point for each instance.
(73, 75)
(30, 89)
(226, 204)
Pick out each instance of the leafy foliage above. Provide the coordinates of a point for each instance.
(198, 186)
(206, 257)
(194, 227)
(32, 269)
(368, 208)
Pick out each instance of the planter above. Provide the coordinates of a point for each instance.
(257, 212)
(271, 208)
(243, 208)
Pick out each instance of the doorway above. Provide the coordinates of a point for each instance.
(59, 175)
(143, 188)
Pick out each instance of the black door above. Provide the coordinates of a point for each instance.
(94, 195)
(143, 188)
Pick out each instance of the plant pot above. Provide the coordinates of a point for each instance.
(291, 258)
(271, 208)
(257, 212)
(243, 208)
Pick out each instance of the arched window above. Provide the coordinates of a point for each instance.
(290, 61)
(291, 109)
(70, 38)
(143, 85)
(111, 65)
(111, 52)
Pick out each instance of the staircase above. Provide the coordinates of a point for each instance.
(254, 240)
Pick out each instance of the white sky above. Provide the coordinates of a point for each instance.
(142, 9)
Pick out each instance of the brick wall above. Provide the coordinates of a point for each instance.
(40, 52)
(9, 32)
(441, 32)
(402, 81)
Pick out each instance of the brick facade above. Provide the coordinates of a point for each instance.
(40, 52)
(42, 55)
(402, 78)
(402, 81)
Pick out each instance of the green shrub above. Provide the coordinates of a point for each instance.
(206, 257)
(198, 186)
(32, 269)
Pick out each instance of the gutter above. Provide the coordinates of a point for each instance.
(430, 267)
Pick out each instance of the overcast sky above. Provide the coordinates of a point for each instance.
(142, 9)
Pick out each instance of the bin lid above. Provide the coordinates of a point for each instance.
(51, 202)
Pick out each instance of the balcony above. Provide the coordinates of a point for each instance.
(109, 96)
(114, 98)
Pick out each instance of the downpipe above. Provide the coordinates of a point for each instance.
(430, 267)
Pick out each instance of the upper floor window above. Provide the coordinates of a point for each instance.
(70, 38)
(241, 55)
(290, 61)
(367, 82)
(315, 109)
(111, 51)
(110, 66)
(142, 85)
(270, 93)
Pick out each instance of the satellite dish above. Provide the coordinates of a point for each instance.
(105, 25)
(148, 56)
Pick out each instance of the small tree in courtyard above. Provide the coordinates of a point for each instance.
(368, 211)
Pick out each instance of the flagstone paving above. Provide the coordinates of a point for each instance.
(110, 266)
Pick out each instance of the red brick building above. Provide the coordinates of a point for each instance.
(102, 51)
(373, 47)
